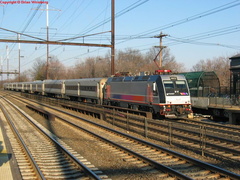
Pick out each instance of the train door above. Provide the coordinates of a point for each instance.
(78, 88)
(43, 88)
(100, 91)
(63, 89)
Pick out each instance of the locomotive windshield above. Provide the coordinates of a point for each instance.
(176, 88)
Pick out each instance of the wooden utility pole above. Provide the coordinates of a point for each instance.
(47, 40)
(161, 47)
(113, 38)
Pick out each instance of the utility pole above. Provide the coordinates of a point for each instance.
(19, 56)
(1, 68)
(47, 39)
(113, 38)
(7, 63)
(161, 47)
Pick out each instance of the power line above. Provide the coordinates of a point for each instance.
(120, 13)
(205, 35)
(188, 19)
(181, 40)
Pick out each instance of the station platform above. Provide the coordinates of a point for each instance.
(5, 167)
(219, 107)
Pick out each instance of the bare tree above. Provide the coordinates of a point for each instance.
(168, 61)
(56, 69)
(130, 60)
(38, 69)
(92, 67)
(24, 77)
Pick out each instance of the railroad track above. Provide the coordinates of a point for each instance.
(199, 138)
(208, 139)
(205, 140)
(152, 157)
(49, 157)
(226, 131)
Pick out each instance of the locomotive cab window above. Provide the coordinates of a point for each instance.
(176, 88)
(169, 87)
(181, 85)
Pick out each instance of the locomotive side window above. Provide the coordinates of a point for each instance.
(155, 92)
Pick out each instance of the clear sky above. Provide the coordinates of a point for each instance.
(196, 29)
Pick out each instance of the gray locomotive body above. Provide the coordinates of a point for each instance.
(161, 94)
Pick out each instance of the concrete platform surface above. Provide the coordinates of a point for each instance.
(5, 168)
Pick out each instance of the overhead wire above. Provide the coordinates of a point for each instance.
(120, 13)
(193, 39)
(25, 27)
(147, 34)
(188, 19)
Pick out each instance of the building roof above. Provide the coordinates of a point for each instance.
(235, 57)
(194, 78)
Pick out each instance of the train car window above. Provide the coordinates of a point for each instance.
(73, 87)
(88, 88)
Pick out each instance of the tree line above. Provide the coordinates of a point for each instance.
(128, 60)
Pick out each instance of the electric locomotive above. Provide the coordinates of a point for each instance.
(163, 95)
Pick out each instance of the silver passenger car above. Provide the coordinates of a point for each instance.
(37, 87)
(90, 89)
(54, 88)
(27, 87)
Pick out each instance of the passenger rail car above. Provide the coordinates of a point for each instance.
(37, 87)
(85, 89)
(54, 88)
(163, 95)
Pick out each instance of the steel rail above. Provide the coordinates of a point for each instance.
(207, 136)
(77, 162)
(194, 161)
(179, 129)
(32, 161)
(233, 151)
(143, 158)
(210, 124)
(202, 164)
